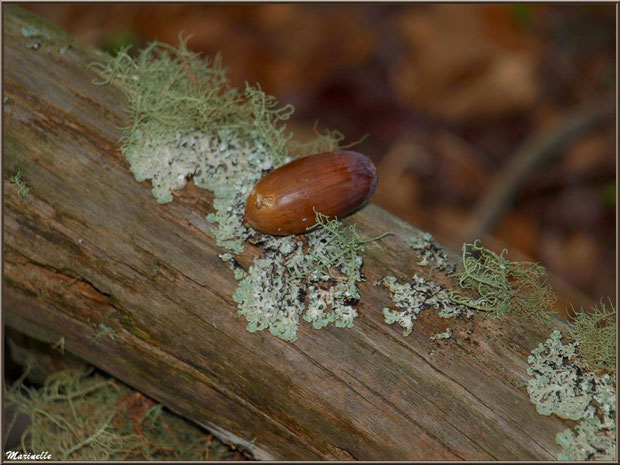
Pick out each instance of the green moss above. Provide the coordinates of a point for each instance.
(595, 333)
(503, 286)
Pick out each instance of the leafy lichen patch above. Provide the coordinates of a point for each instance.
(559, 385)
(431, 253)
(32, 31)
(593, 441)
(264, 298)
(504, 286)
(445, 335)
(413, 297)
(324, 269)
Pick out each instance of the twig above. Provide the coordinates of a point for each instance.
(532, 154)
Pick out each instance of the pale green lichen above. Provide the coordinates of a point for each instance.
(273, 294)
(447, 334)
(431, 253)
(593, 441)
(503, 286)
(60, 345)
(263, 296)
(23, 189)
(326, 141)
(415, 296)
(560, 385)
(32, 31)
(173, 90)
(102, 332)
(188, 123)
(595, 331)
(557, 384)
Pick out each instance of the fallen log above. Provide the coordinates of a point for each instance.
(137, 289)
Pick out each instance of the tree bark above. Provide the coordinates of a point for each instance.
(137, 289)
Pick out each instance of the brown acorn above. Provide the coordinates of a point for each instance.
(332, 183)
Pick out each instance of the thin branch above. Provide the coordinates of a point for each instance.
(535, 152)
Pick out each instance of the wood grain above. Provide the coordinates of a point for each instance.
(89, 248)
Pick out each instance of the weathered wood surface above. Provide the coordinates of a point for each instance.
(89, 248)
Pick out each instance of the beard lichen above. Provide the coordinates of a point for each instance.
(77, 415)
(561, 385)
(187, 122)
(504, 286)
(595, 333)
(173, 90)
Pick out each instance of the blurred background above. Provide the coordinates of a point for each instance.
(489, 121)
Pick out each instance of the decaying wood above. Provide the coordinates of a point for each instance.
(136, 288)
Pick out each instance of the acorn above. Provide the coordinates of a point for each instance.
(332, 183)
